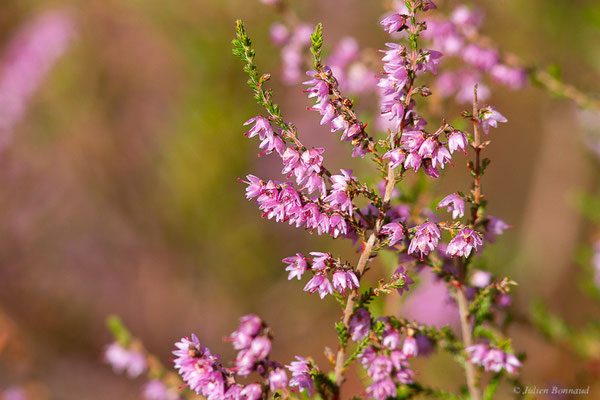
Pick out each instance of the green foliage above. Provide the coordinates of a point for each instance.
(242, 48)
(316, 45)
(588, 205)
(342, 333)
(357, 351)
(490, 389)
(119, 331)
(366, 298)
(552, 326)
(324, 385)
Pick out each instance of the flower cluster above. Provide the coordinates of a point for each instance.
(294, 43)
(301, 369)
(458, 36)
(335, 111)
(203, 373)
(386, 361)
(322, 265)
(200, 369)
(492, 359)
(281, 201)
(253, 344)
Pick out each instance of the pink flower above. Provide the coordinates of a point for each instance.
(390, 338)
(490, 117)
(428, 147)
(514, 78)
(337, 225)
(297, 266)
(462, 244)
(380, 368)
(411, 141)
(431, 61)
(479, 57)
(492, 359)
(494, 226)
(27, 60)
(414, 161)
(261, 127)
(277, 379)
(395, 232)
(122, 359)
(260, 347)
(383, 389)
(466, 18)
(409, 347)
(301, 375)
(339, 200)
(343, 280)
(252, 392)
(321, 261)
(401, 274)
(393, 23)
(455, 204)
(279, 34)
(360, 324)
(425, 239)
(319, 283)
(199, 368)
(480, 279)
(457, 140)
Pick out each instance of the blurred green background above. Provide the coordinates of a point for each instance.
(118, 193)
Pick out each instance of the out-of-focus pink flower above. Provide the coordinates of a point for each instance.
(279, 34)
(122, 359)
(26, 61)
(430, 303)
(514, 78)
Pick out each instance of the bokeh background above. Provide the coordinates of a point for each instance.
(118, 190)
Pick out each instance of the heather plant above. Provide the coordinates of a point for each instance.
(324, 202)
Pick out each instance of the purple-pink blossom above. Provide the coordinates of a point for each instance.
(301, 378)
(277, 379)
(465, 241)
(393, 23)
(457, 140)
(489, 117)
(492, 359)
(409, 347)
(360, 324)
(425, 239)
(395, 232)
(380, 368)
(453, 203)
(319, 282)
(296, 267)
(343, 280)
(402, 274)
(494, 227)
(121, 359)
(199, 368)
(383, 389)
